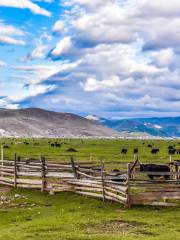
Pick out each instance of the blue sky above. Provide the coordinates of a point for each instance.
(113, 58)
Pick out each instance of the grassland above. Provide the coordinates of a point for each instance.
(67, 216)
(107, 150)
(33, 215)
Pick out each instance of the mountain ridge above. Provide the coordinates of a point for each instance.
(155, 126)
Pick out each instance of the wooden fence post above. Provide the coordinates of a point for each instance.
(43, 173)
(128, 202)
(2, 155)
(15, 170)
(76, 175)
(103, 183)
(18, 161)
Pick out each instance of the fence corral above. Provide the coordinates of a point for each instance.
(128, 186)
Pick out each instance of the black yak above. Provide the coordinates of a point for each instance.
(155, 168)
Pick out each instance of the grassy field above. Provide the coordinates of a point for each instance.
(34, 215)
(107, 150)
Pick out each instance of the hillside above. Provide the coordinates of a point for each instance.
(34, 122)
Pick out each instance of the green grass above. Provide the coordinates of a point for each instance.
(68, 216)
(108, 150)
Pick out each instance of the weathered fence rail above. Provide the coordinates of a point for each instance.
(91, 179)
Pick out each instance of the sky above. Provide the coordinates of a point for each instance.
(111, 58)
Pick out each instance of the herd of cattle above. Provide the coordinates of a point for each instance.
(152, 170)
(154, 150)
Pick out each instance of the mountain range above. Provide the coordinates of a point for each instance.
(156, 127)
(35, 122)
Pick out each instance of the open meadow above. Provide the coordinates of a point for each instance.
(30, 214)
(89, 149)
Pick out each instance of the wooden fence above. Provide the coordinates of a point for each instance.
(91, 179)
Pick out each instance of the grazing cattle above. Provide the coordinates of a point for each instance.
(124, 150)
(155, 150)
(170, 147)
(6, 146)
(57, 144)
(135, 150)
(149, 146)
(155, 168)
(172, 151)
(71, 150)
(178, 151)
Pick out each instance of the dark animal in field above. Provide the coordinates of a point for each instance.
(124, 150)
(171, 151)
(71, 150)
(149, 146)
(178, 151)
(118, 176)
(57, 144)
(6, 146)
(135, 150)
(155, 168)
(155, 150)
(26, 143)
(170, 147)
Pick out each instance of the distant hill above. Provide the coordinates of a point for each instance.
(157, 127)
(34, 122)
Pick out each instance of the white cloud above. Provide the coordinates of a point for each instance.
(9, 34)
(38, 52)
(3, 64)
(35, 74)
(89, 3)
(23, 4)
(10, 30)
(58, 27)
(6, 103)
(30, 91)
(113, 83)
(62, 47)
(125, 22)
(10, 40)
(120, 56)
(163, 57)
